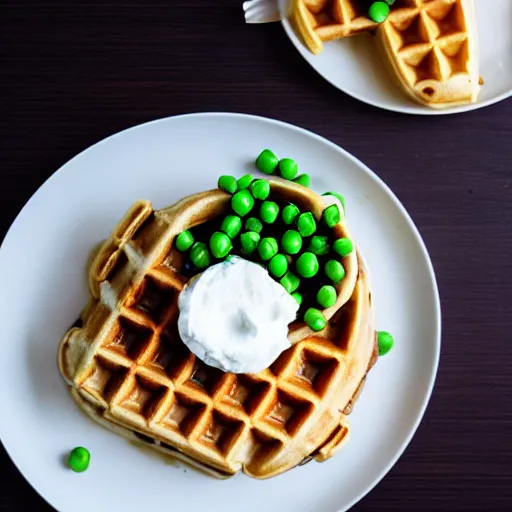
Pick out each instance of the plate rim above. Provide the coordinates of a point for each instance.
(413, 427)
(409, 110)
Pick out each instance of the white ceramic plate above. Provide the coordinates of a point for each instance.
(353, 64)
(42, 271)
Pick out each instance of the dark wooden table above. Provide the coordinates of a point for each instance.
(72, 73)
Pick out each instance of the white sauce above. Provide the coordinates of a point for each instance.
(235, 317)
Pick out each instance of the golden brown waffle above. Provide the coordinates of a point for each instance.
(319, 21)
(430, 45)
(129, 370)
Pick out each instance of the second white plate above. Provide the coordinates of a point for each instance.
(353, 65)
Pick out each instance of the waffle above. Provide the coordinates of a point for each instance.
(128, 369)
(430, 45)
(319, 21)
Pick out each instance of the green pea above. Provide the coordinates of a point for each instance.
(199, 255)
(228, 184)
(184, 241)
(315, 319)
(290, 282)
(253, 224)
(274, 243)
(331, 215)
(291, 241)
(260, 189)
(242, 202)
(290, 213)
(269, 212)
(249, 241)
(303, 179)
(306, 224)
(343, 247)
(267, 248)
(298, 297)
(385, 342)
(319, 245)
(79, 459)
(278, 265)
(334, 271)
(267, 162)
(244, 181)
(288, 168)
(339, 197)
(378, 11)
(220, 244)
(231, 225)
(307, 265)
(326, 296)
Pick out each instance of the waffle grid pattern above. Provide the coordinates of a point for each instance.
(430, 38)
(334, 19)
(140, 372)
(430, 45)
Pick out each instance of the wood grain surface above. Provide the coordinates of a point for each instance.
(72, 73)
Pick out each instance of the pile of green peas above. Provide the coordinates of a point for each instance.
(290, 244)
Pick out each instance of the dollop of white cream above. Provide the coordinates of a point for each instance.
(235, 317)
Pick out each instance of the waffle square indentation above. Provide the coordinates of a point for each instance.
(288, 413)
(128, 338)
(105, 379)
(183, 414)
(457, 54)
(142, 397)
(315, 371)
(205, 378)
(154, 299)
(448, 18)
(264, 446)
(170, 357)
(247, 393)
(221, 432)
